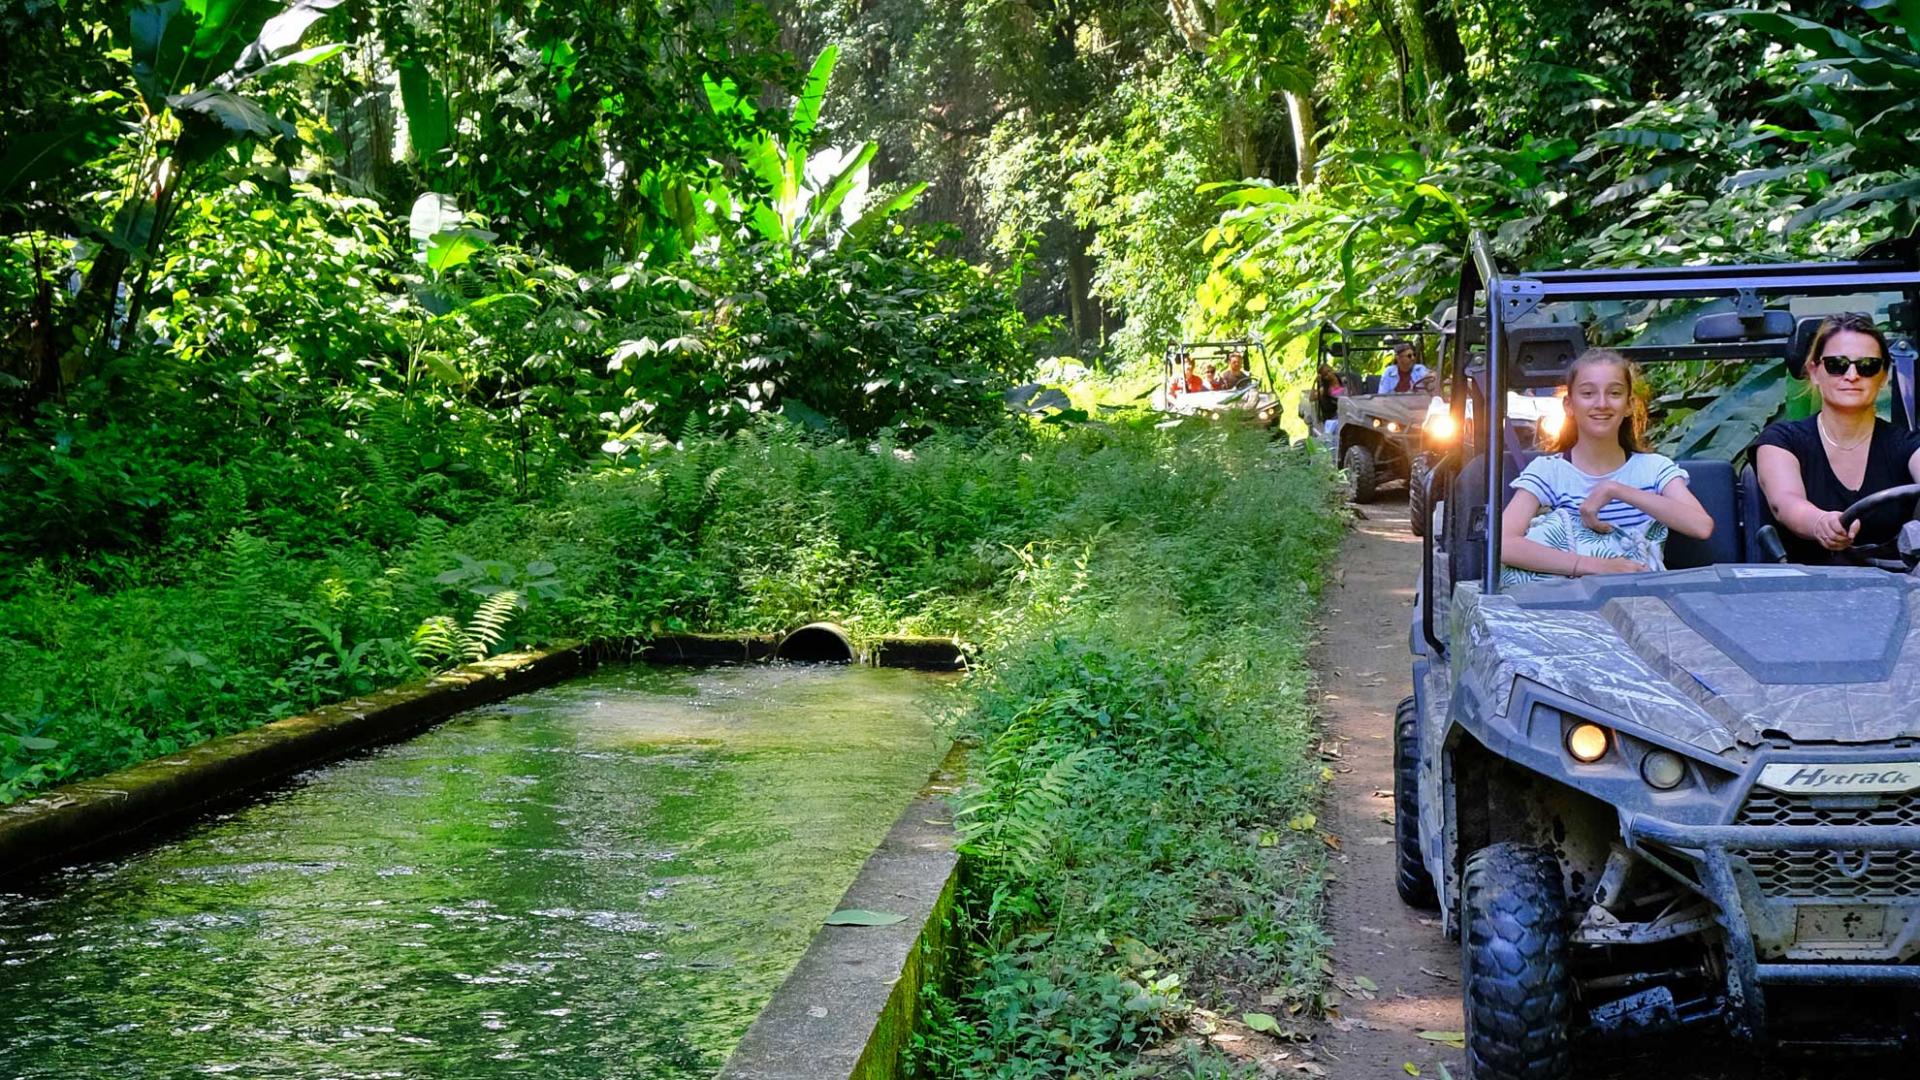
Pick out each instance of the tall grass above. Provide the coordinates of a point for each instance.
(756, 531)
(1139, 818)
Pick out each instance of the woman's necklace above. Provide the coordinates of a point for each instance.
(1837, 444)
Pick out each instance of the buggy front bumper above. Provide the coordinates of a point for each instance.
(1720, 852)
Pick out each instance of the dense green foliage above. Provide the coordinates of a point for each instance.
(343, 340)
(1211, 167)
(759, 531)
(1140, 816)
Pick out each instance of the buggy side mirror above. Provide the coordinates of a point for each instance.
(1800, 345)
(1336, 348)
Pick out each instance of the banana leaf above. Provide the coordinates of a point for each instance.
(1730, 423)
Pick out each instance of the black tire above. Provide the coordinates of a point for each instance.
(1418, 509)
(1513, 965)
(1410, 875)
(1363, 474)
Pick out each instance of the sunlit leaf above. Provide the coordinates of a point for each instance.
(1261, 1022)
(433, 213)
(863, 917)
(453, 247)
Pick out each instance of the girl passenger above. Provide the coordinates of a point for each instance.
(1604, 503)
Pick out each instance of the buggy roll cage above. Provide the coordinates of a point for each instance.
(1493, 307)
(1375, 339)
(1170, 360)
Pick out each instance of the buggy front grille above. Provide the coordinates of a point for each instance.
(1829, 874)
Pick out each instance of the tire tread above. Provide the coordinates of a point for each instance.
(1516, 986)
(1410, 875)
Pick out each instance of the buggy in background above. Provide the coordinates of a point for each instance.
(1374, 433)
(1213, 379)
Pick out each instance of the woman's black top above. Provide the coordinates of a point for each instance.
(1887, 457)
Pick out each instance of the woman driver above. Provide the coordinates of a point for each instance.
(1812, 469)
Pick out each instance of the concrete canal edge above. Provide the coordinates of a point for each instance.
(851, 1005)
(123, 808)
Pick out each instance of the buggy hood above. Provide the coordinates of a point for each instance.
(1718, 657)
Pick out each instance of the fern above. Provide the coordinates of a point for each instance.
(242, 596)
(436, 641)
(440, 640)
(1014, 816)
(488, 627)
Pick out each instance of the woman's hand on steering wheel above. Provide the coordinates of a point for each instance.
(1906, 497)
(1831, 533)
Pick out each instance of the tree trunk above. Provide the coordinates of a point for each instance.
(1443, 58)
(91, 315)
(1240, 139)
(1306, 162)
(1387, 12)
(1081, 304)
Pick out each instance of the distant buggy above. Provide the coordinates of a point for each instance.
(1244, 396)
(1687, 799)
(1374, 436)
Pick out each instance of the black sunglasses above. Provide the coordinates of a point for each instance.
(1869, 365)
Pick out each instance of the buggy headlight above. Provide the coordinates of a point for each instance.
(1587, 742)
(1552, 418)
(1663, 769)
(1439, 424)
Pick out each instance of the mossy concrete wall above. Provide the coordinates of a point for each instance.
(131, 805)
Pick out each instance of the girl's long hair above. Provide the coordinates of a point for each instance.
(1852, 322)
(1633, 426)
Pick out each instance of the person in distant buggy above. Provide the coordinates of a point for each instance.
(1406, 374)
(1187, 381)
(1810, 470)
(1235, 376)
(1327, 391)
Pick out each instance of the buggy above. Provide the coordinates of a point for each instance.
(1676, 800)
(1248, 397)
(1374, 436)
(1532, 418)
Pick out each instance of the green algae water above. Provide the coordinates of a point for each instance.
(606, 879)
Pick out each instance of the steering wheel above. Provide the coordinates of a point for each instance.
(1907, 496)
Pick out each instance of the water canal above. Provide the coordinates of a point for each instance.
(604, 879)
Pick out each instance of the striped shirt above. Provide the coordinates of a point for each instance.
(1558, 485)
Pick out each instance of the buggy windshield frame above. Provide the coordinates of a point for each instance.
(1507, 298)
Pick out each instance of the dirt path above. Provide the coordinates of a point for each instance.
(1410, 970)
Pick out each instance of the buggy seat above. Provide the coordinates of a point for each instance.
(1712, 482)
